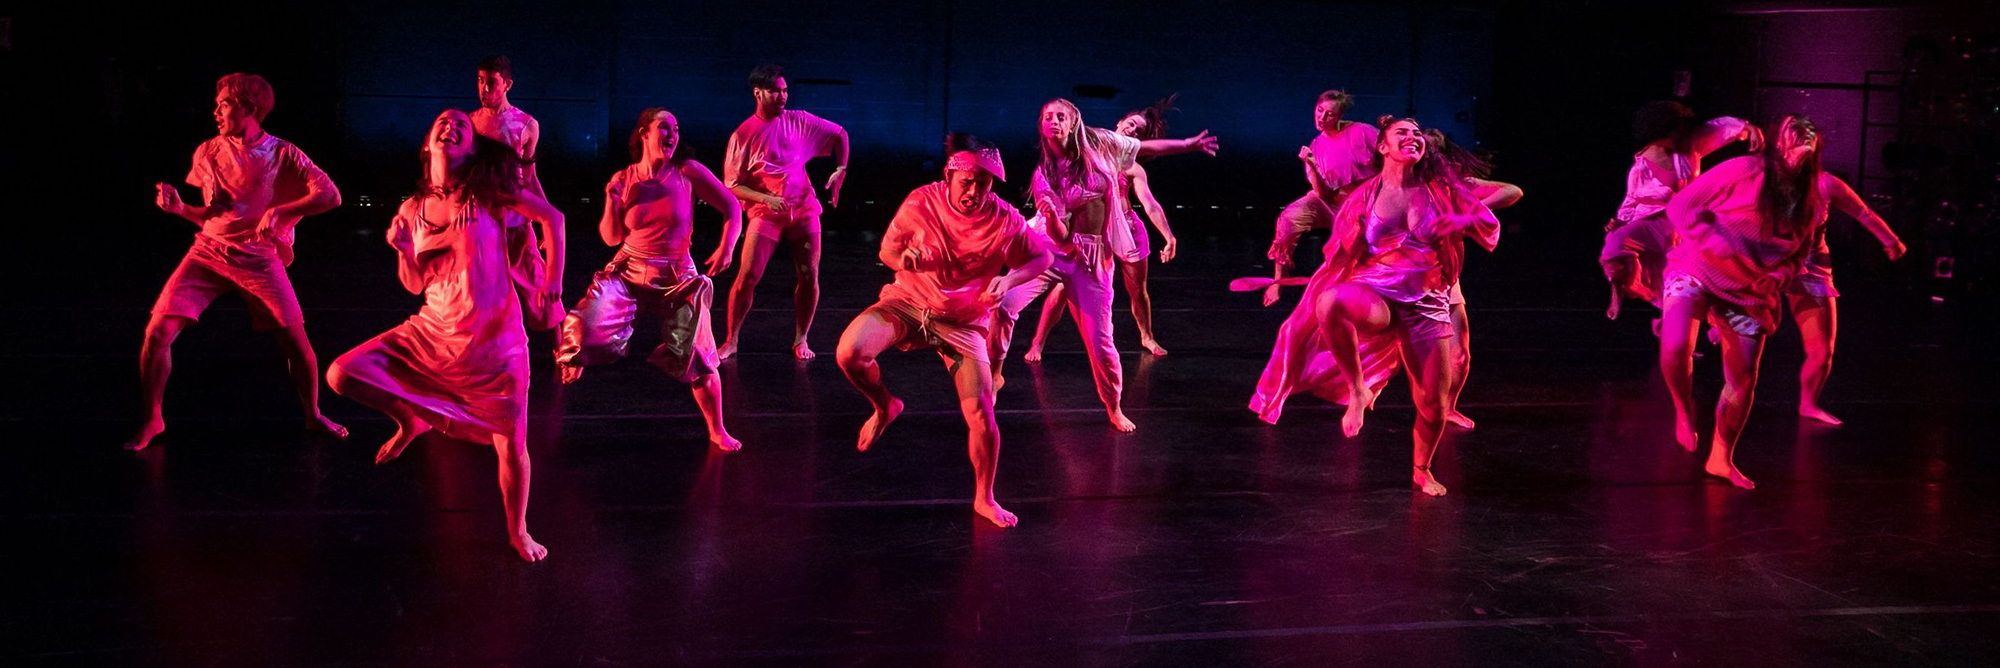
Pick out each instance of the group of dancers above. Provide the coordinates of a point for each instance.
(483, 246)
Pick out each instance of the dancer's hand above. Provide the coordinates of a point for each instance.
(167, 198)
(719, 261)
(1755, 137)
(1306, 154)
(614, 196)
(1167, 252)
(274, 222)
(996, 290)
(833, 184)
(1203, 142)
(915, 258)
(1895, 249)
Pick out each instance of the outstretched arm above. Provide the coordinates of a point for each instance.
(1142, 187)
(1203, 142)
(710, 190)
(1849, 202)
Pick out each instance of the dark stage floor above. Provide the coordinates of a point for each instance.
(1575, 533)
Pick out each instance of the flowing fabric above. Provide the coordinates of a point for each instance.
(462, 360)
(1727, 245)
(1416, 267)
(599, 329)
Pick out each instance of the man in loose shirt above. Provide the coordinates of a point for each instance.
(255, 187)
(1339, 157)
(957, 248)
(765, 165)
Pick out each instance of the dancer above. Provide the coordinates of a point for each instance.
(501, 121)
(1148, 123)
(1814, 300)
(1077, 189)
(956, 248)
(765, 165)
(1496, 195)
(1382, 298)
(1637, 240)
(649, 216)
(1745, 230)
(1341, 156)
(460, 365)
(256, 187)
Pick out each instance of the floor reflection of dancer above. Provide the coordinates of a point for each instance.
(460, 365)
(1814, 301)
(957, 249)
(256, 188)
(1637, 240)
(1383, 298)
(1745, 230)
(1077, 188)
(499, 120)
(1341, 156)
(1496, 195)
(1148, 123)
(765, 165)
(649, 216)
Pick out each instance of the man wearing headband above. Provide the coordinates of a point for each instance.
(957, 248)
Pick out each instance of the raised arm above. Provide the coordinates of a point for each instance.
(709, 189)
(1844, 198)
(1143, 188)
(1723, 131)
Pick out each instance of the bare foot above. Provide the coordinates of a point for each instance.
(147, 432)
(1727, 471)
(999, 381)
(1153, 347)
(529, 550)
(726, 350)
(395, 445)
(319, 423)
(1656, 328)
(1617, 304)
(1812, 412)
(724, 442)
(1122, 423)
(1357, 411)
(1421, 477)
(1459, 420)
(802, 352)
(1033, 356)
(877, 423)
(1685, 435)
(998, 515)
(569, 373)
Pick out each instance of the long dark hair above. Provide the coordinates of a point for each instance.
(1459, 161)
(1430, 168)
(491, 175)
(1790, 200)
(1155, 117)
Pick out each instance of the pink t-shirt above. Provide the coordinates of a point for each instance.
(771, 156)
(254, 176)
(968, 251)
(659, 209)
(1345, 158)
(509, 126)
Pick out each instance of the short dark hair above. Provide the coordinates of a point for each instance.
(249, 90)
(766, 76)
(1340, 99)
(497, 64)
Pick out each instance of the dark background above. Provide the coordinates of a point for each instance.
(103, 102)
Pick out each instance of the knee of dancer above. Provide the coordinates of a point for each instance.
(337, 376)
(161, 329)
(852, 359)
